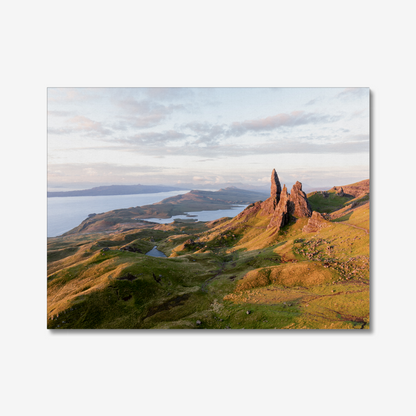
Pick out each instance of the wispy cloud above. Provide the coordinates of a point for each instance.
(144, 113)
(99, 172)
(153, 138)
(82, 125)
(206, 133)
(352, 92)
(59, 113)
(224, 150)
(295, 118)
(168, 94)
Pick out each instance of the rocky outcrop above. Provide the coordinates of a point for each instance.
(250, 212)
(340, 191)
(281, 215)
(356, 189)
(270, 204)
(315, 223)
(299, 205)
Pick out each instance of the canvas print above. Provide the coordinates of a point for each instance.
(208, 208)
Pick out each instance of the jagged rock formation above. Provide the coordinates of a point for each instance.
(281, 215)
(270, 204)
(340, 191)
(280, 206)
(315, 223)
(299, 205)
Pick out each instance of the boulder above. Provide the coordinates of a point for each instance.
(299, 204)
(315, 223)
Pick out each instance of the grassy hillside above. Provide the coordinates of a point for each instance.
(229, 273)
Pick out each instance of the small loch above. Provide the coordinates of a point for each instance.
(154, 252)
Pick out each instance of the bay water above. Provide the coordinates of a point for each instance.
(65, 213)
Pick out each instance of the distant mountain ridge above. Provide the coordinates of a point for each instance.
(117, 190)
(147, 189)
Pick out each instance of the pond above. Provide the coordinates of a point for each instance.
(154, 252)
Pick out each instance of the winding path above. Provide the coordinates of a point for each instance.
(354, 226)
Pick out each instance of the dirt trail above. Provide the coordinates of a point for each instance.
(354, 226)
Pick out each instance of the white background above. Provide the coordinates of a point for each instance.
(190, 43)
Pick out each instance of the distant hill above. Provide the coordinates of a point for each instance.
(175, 205)
(117, 190)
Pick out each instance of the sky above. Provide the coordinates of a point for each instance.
(207, 137)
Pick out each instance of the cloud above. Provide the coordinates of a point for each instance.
(144, 113)
(99, 172)
(354, 144)
(352, 93)
(295, 118)
(358, 138)
(206, 133)
(83, 125)
(154, 138)
(169, 93)
(59, 113)
(209, 134)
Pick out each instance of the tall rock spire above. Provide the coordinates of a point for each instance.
(270, 204)
(276, 189)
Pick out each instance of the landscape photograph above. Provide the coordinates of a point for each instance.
(188, 222)
(208, 208)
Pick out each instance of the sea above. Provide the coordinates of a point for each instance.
(66, 213)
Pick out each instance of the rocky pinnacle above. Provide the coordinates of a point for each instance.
(270, 204)
(276, 189)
